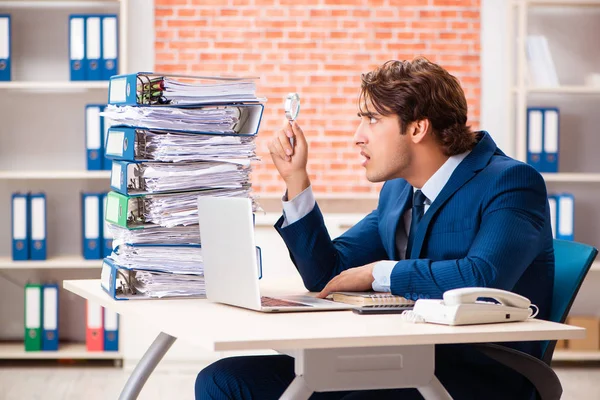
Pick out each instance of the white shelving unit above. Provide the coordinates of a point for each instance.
(571, 28)
(42, 149)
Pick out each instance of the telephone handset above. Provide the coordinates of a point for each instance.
(461, 307)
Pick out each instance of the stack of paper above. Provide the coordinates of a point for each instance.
(163, 159)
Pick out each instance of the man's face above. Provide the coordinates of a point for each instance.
(384, 152)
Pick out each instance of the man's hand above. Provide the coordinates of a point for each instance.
(291, 161)
(358, 279)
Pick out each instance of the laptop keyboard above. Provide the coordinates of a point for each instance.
(272, 302)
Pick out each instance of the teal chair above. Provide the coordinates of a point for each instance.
(572, 263)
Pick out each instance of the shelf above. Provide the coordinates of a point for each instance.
(57, 4)
(568, 355)
(50, 86)
(16, 350)
(63, 262)
(54, 175)
(572, 177)
(594, 90)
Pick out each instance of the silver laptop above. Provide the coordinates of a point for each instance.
(230, 265)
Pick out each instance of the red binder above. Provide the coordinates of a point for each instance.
(94, 333)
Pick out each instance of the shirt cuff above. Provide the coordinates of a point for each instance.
(382, 271)
(297, 208)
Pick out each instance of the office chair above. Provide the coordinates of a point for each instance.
(572, 263)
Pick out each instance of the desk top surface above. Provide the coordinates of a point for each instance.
(220, 327)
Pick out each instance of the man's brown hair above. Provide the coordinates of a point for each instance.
(416, 90)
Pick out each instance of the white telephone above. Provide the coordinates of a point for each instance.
(461, 307)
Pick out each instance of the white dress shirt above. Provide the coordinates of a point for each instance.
(304, 202)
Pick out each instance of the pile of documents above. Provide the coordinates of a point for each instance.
(171, 141)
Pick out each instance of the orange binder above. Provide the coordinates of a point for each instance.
(94, 332)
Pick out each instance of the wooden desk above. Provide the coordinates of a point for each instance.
(335, 350)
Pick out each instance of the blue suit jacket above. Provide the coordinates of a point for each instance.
(489, 227)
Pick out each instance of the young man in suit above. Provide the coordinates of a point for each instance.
(454, 212)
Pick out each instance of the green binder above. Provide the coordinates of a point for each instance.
(33, 317)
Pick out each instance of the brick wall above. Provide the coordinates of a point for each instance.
(317, 48)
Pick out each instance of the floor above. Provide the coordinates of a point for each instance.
(101, 383)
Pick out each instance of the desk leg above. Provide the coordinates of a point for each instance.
(146, 365)
(365, 368)
(434, 391)
(298, 390)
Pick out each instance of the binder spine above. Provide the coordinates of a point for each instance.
(93, 136)
(110, 46)
(94, 337)
(119, 176)
(565, 229)
(111, 331)
(37, 244)
(93, 46)
(33, 317)
(50, 318)
(20, 227)
(5, 47)
(77, 44)
(535, 139)
(120, 144)
(551, 140)
(122, 90)
(105, 123)
(117, 209)
(92, 211)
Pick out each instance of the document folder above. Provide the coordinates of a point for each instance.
(566, 217)
(77, 49)
(93, 47)
(50, 318)
(551, 140)
(535, 118)
(5, 47)
(20, 227)
(92, 226)
(225, 119)
(144, 88)
(106, 124)
(33, 317)
(111, 330)
(140, 144)
(37, 244)
(93, 136)
(121, 283)
(94, 333)
(110, 47)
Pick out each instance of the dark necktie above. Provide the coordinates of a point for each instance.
(418, 209)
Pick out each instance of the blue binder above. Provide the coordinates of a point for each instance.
(20, 226)
(5, 47)
(119, 176)
(50, 317)
(110, 47)
(38, 217)
(106, 235)
(93, 47)
(106, 125)
(92, 225)
(551, 140)
(93, 136)
(120, 143)
(535, 137)
(111, 330)
(565, 227)
(77, 49)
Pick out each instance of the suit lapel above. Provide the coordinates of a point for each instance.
(474, 162)
(395, 218)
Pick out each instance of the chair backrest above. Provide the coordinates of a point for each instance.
(572, 263)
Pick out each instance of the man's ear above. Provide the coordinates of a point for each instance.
(418, 130)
